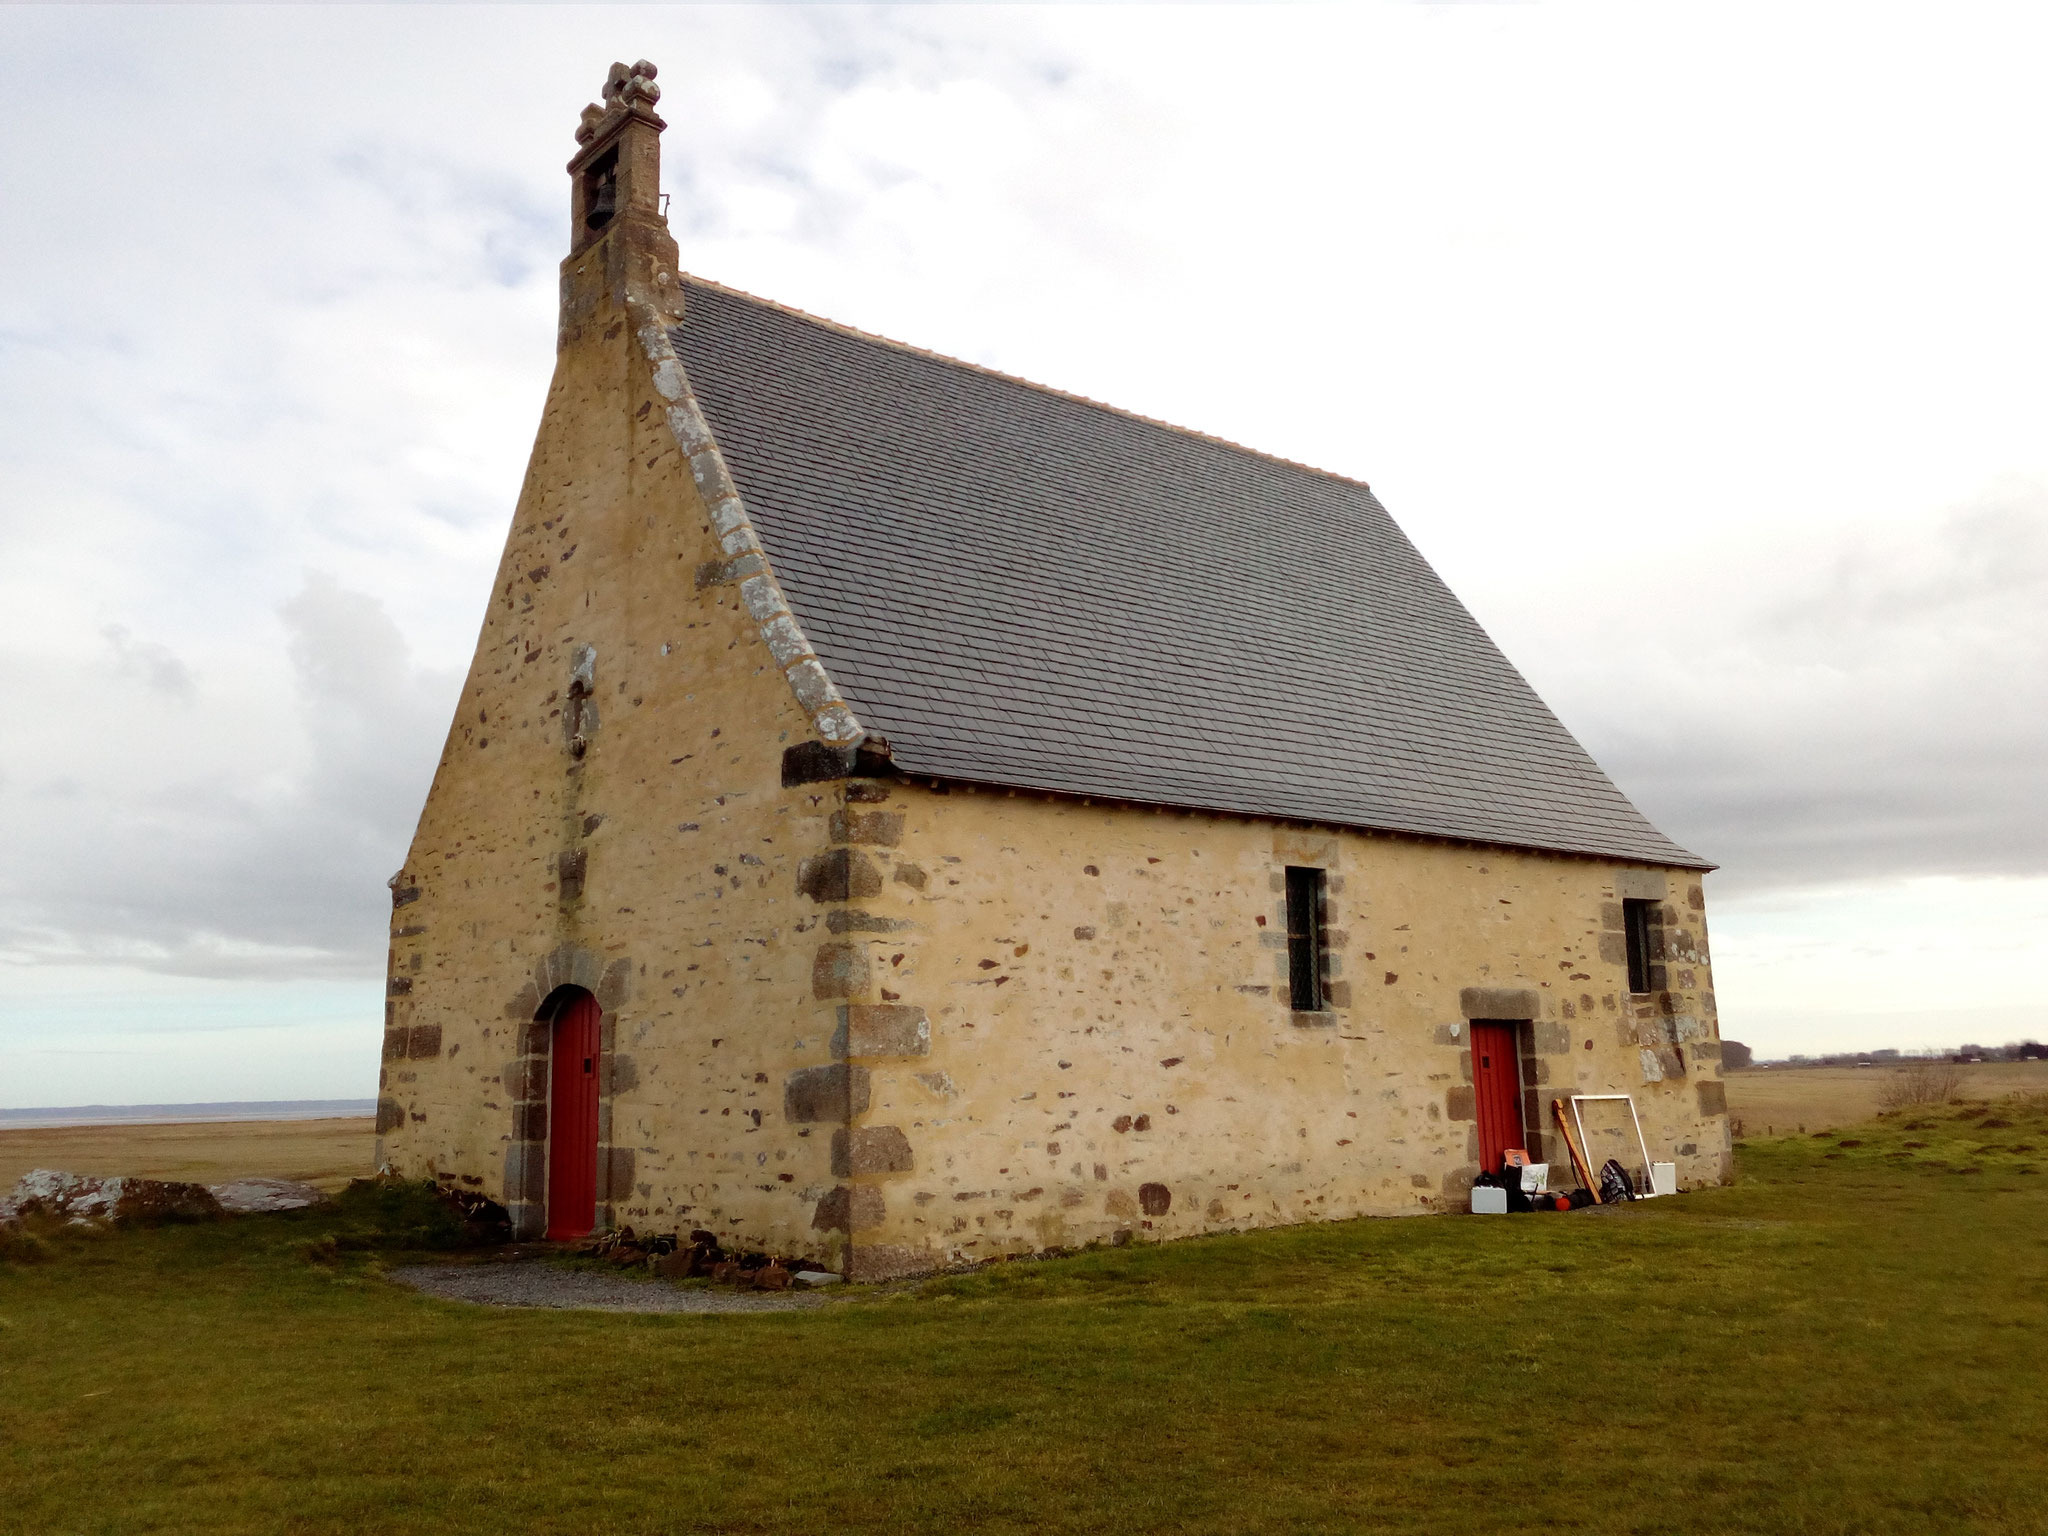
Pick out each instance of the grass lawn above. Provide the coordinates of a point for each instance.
(1853, 1339)
(1784, 1101)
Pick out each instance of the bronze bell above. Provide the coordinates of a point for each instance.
(604, 203)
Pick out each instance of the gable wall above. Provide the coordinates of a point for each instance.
(688, 924)
(1112, 1053)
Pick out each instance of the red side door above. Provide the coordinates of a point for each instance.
(1496, 1091)
(572, 1120)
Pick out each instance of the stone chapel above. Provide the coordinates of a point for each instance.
(906, 815)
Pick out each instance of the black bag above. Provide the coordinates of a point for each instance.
(1510, 1180)
(1615, 1184)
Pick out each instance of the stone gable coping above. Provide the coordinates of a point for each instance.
(746, 561)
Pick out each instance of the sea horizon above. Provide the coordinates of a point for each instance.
(50, 1117)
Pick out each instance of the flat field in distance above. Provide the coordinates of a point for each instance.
(1775, 1101)
(1854, 1338)
(1783, 1101)
(327, 1153)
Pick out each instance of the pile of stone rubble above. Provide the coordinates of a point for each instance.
(701, 1257)
(90, 1202)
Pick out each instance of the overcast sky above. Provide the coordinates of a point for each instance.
(1701, 348)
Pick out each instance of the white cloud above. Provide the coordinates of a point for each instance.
(1913, 964)
(156, 665)
(243, 830)
(1849, 702)
(72, 1038)
(1695, 345)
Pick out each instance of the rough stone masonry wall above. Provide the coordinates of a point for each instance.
(609, 813)
(1091, 1033)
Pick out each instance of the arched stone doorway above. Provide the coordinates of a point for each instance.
(575, 1044)
(558, 977)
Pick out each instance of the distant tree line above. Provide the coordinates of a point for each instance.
(1735, 1056)
(2019, 1050)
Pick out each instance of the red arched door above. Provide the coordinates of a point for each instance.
(572, 1119)
(1496, 1090)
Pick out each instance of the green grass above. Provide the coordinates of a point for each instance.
(1853, 1339)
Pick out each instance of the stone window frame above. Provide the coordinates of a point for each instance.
(1312, 884)
(1641, 919)
(1306, 848)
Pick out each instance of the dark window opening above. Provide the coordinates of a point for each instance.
(1305, 889)
(1636, 921)
(601, 191)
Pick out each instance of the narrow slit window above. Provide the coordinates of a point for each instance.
(1305, 939)
(1635, 922)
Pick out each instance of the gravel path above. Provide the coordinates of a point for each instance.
(550, 1285)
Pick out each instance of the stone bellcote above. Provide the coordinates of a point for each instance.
(617, 173)
(619, 244)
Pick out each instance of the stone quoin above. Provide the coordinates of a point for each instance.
(982, 821)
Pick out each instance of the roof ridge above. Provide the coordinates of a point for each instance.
(1013, 378)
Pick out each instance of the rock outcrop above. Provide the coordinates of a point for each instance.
(245, 1197)
(117, 1201)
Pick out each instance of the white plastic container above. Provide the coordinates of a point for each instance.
(1663, 1178)
(1487, 1201)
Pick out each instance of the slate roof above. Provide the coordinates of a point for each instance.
(1019, 587)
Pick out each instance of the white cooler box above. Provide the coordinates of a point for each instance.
(1487, 1201)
